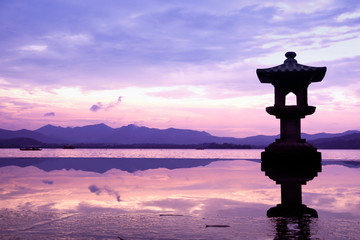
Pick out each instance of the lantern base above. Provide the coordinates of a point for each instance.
(282, 210)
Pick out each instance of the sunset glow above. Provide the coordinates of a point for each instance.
(180, 64)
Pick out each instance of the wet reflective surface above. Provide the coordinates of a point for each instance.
(172, 200)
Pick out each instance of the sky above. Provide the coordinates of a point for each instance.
(165, 63)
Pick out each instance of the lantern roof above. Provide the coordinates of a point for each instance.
(290, 69)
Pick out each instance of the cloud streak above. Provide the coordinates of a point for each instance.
(96, 107)
(99, 105)
(49, 114)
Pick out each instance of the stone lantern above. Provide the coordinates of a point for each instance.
(290, 160)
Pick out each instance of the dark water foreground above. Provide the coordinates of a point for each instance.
(106, 224)
(173, 199)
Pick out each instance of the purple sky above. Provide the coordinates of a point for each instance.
(166, 63)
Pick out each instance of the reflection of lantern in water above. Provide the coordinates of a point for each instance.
(290, 160)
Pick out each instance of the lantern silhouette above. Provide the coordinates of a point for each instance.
(290, 161)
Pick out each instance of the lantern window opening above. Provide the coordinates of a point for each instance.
(291, 99)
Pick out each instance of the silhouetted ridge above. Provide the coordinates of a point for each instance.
(19, 142)
(102, 135)
(349, 141)
(327, 135)
(88, 134)
(7, 134)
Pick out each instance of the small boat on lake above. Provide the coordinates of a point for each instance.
(68, 147)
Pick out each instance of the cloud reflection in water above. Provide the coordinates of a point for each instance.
(97, 190)
(222, 192)
(171, 190)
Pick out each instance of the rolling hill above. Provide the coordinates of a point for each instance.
(51, 136)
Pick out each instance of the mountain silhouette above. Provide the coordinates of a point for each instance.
(326, 135)
(349, 141)
(132, 134)
(23, 133)
(99, 133)
(19, 142)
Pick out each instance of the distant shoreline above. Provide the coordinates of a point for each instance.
(137, 146)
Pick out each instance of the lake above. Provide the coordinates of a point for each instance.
(168, 194)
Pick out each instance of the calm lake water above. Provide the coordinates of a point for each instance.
(167, 194)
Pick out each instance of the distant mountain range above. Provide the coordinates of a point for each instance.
(103, 135)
